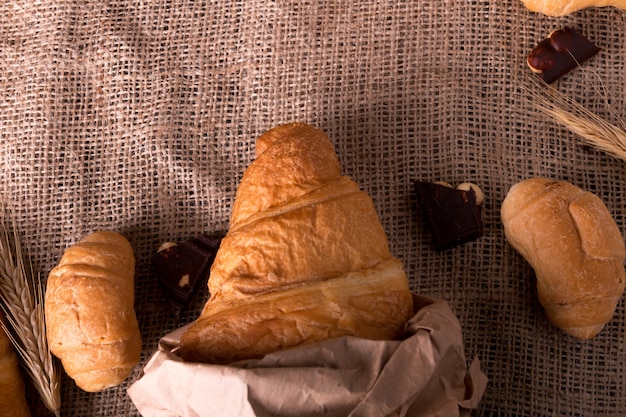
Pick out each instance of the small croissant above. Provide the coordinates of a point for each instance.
(565, 7)
(90, 316)
(575, 247)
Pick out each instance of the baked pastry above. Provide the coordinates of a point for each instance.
(305, 258)
(12, 394)
(565, 7)
(577, 251)
(89, 307)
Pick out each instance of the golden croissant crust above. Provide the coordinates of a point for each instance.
(565, 7)
(575, 247)
(90, 317)
(305, 259)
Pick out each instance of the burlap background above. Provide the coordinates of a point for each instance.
(141, 116)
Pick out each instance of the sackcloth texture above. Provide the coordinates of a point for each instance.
(140, 117)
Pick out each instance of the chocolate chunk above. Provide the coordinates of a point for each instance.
(561, 52)
(182, 267)
(452, 215)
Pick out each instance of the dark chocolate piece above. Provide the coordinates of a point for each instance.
(452, 215)
(561, 52)
(182, 267)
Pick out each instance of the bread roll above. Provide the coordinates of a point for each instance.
(577, 251)
(90, 317)
(305, 258)
(12, 395)
(565, 7)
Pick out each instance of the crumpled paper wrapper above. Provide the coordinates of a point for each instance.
(423, 375)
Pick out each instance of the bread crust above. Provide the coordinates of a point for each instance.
(565, 7)
(305, 259)
(12, 392)
(90, 317)
(575, 247)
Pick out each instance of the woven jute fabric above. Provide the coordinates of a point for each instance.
(141, 116)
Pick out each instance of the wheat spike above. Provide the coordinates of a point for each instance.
(21, 298)
(595, 130)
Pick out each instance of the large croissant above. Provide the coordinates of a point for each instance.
(576, 249)
(305, 258)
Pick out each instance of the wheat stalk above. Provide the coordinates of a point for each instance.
(22, 301)
(592, 128)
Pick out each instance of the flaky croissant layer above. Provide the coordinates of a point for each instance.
(306, 258)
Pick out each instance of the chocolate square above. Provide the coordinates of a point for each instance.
(182, 267)
(452, 215)
(563, 50)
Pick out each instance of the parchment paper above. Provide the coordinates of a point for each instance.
(423, 375)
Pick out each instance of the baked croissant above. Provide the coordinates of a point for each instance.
(12, 394)
(565, 7)
(89, 308)
(577, 251)
(305, 258)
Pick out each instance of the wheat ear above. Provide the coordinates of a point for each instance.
(595, 130)
(22, 298)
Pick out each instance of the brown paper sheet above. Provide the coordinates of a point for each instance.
(423, 375)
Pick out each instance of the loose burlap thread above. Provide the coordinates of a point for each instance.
(141, 117)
